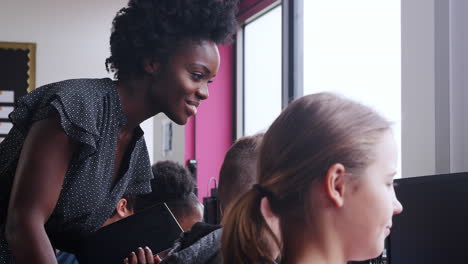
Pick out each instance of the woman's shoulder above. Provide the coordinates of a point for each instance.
(89, 87)
(76, 91)
(80, 103)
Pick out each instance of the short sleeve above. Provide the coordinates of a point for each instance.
(77, 109)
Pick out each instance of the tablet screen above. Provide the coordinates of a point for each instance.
(155, 227)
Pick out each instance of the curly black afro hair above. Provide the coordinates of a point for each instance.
(151, 29)
(172, 182)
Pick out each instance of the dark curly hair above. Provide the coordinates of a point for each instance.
(152, 29)
(172, 183)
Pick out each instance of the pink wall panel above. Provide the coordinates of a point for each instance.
(209, 134)
(248, 8)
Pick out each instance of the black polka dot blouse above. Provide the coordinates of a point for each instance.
(90, 113)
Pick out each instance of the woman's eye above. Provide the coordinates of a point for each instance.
(210, 81)
(197, 76)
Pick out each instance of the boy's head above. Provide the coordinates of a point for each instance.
(239, 170)
(123, 209)
(173, 185)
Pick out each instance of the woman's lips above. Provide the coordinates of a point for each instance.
(192, 107)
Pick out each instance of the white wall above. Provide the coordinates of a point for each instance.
(434, 93)
(458, 85)
(72, 38)
(178, 141)
(418, 110)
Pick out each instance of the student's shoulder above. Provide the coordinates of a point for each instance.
(202, 242)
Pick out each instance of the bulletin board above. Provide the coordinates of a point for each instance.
(17, 77)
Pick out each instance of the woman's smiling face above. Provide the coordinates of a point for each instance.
(182, 83)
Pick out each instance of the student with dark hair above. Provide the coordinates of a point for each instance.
(76, 146)
(173, 185)
(325, 177)
(124, 208)
(238, 172)
(203, 242)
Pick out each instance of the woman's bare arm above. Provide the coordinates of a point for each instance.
(41, 169)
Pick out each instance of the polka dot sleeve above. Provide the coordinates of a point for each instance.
(76, 109)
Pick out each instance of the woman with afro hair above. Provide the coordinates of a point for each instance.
(76, 147)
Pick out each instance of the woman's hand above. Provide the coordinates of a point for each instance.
(142, 256)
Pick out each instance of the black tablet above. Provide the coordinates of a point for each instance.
(155, 227)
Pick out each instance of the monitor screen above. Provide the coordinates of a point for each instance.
(433, 227)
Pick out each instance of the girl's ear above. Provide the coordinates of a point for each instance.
(151, 66)
(335, 184)
(270, 218)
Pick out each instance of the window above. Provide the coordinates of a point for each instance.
(262, 71)
(354, 48)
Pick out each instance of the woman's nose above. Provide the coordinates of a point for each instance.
(203, 92)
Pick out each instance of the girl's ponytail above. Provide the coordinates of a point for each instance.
(246, 235)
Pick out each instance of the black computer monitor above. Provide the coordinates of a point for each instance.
(433, 227)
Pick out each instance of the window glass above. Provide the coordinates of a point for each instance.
(262, 71)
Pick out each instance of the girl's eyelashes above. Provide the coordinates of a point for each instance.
(210, 81)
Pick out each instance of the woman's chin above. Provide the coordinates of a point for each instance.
(180, 122)
(178, 119)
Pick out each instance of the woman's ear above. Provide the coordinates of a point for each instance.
(335, 184)
(270, 218)
(151, 66)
